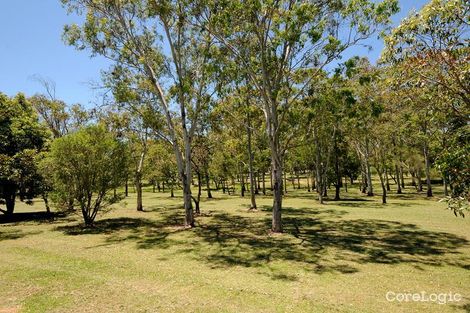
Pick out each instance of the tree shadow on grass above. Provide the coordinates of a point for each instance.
(15, 234)
(30, 217)
(317, 240)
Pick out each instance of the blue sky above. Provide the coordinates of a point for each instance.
(31, 44)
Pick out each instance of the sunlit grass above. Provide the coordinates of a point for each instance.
(342, 256)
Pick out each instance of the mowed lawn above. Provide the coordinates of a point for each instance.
(343, 256)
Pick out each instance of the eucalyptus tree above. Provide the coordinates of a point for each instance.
(431, 47)
(132, 128)
(155, 48)
(160, 165)
(430, 50)
(362, 114)
(282, 46)
(61, 118)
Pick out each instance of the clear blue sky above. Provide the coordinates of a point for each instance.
(31, 44)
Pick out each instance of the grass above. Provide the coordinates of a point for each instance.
(339, 257)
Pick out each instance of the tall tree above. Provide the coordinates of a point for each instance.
(132, 34)
(282, 46)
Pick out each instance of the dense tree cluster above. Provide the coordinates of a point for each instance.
(249, 97)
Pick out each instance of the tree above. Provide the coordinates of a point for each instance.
(430, 50)
(22, 138)
(86, 166)
(282, 46)
(132, 33)
(431, 47)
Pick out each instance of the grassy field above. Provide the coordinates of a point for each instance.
(343, 256)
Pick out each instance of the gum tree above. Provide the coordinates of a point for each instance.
(282, 46)
(155, 49)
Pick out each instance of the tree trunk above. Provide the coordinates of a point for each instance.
(384, 188)
(277, 196)
(285, 183)
(370, 191)
(126, 188)
(242, 181)
(397, 175)
(138, 177)
(197, 200)
(250, 163)
(420, 183)
(446, 188)
(138, 188)
(387, 181)
(46, 202)
(264, 183)
(413, 178)
(9, 193)
(402, 177)
(428, 170)
(208, 186)
(271, 180)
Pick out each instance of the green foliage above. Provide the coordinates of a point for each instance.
(22, 137)
(86, 165)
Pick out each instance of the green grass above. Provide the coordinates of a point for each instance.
(339, 257)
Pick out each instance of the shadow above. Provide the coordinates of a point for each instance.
(317, 240)
(16, 234)
(106, 226)
(31, 217)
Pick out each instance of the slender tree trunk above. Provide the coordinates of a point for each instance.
(308, 182)
(197, 200)
(397, 175)
(384, 188)
(264, 183)
(250, 163)
(446, 188)
(242, 181)
(402, 179)
(126, 188)
(285, 183)
(46, 202)
(387, 181)
(428, 171)
(420, 183)
(208, 185)
(370, 191)
(339, 178)
(271, 187)
(138, 179)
